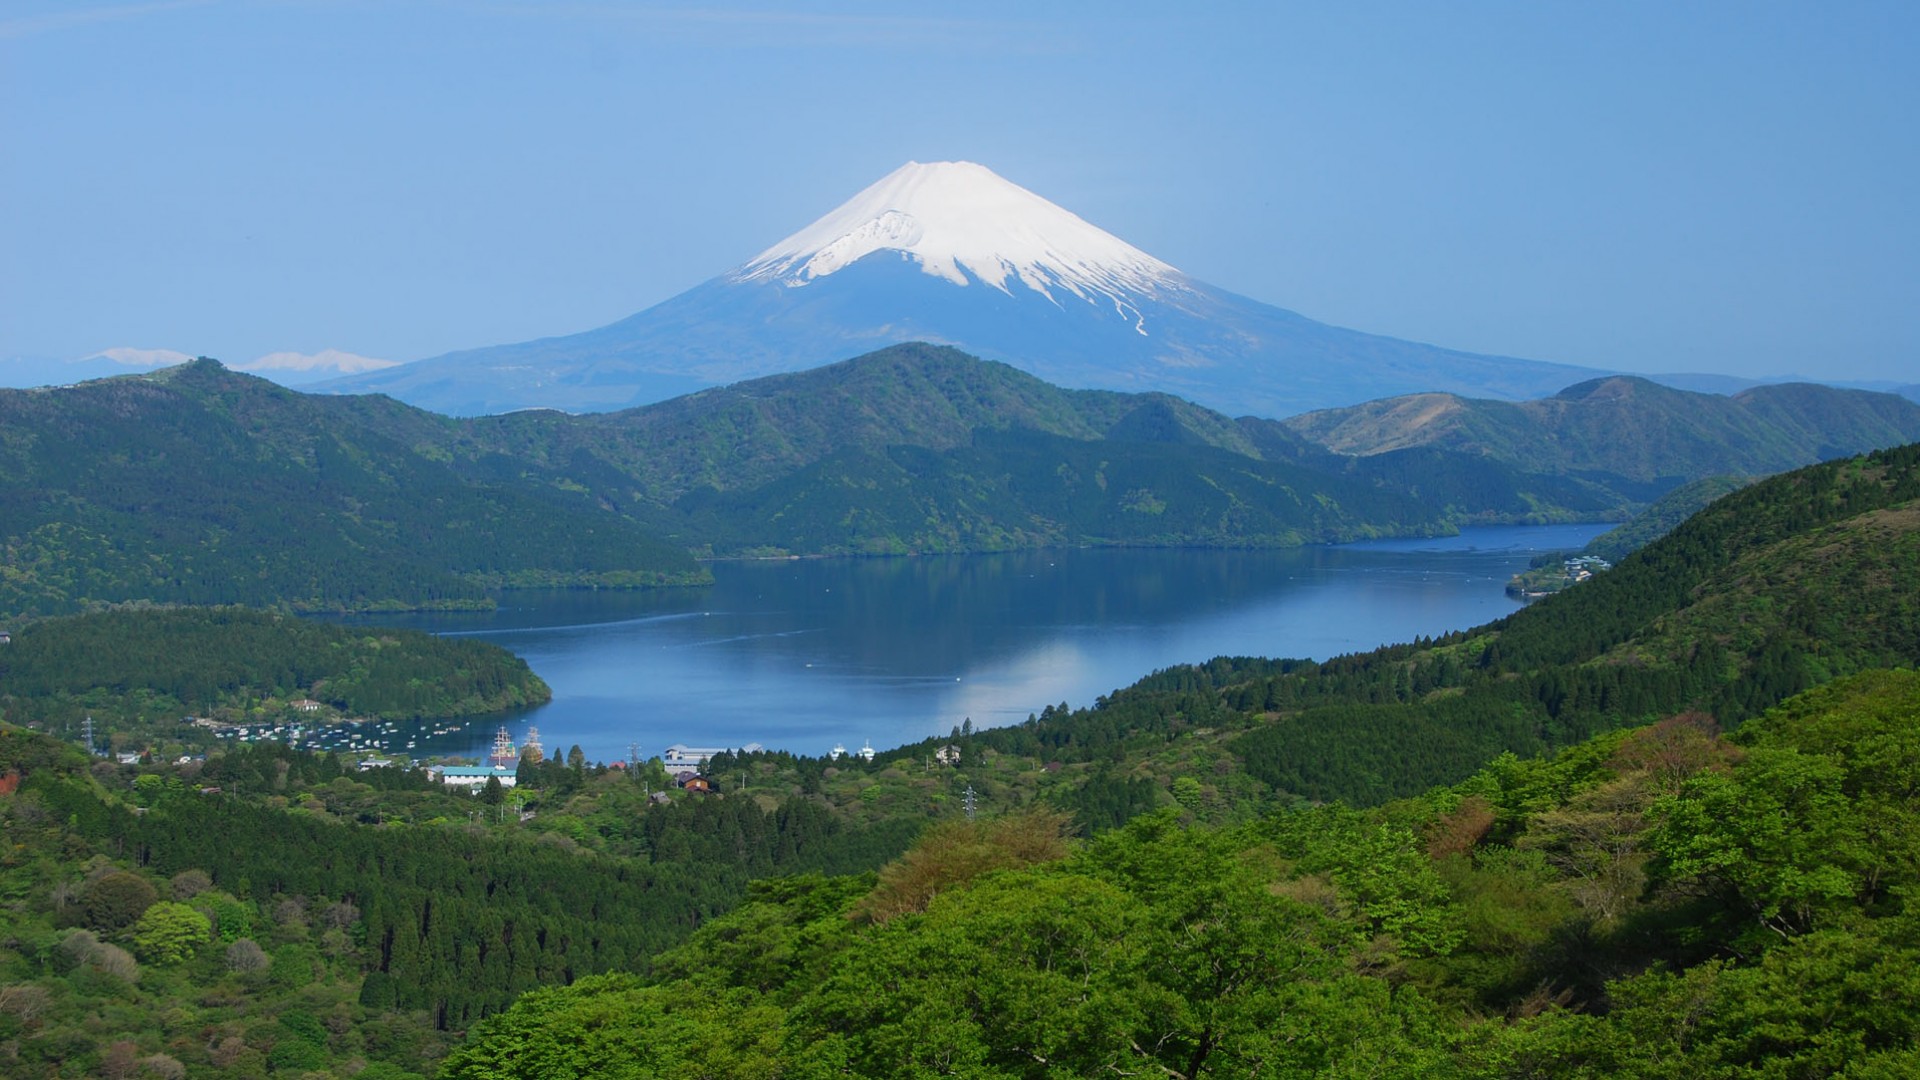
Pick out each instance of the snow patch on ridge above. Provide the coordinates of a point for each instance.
(892, 230)
(326, 360)
(963, 223)
(129, 356)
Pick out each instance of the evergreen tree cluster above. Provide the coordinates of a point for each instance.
(199, 486)
(454, 922)
(1649, 903)
(174, 662)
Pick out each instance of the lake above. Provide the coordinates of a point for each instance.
(804, 654)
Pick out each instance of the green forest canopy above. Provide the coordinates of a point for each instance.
(162, 664)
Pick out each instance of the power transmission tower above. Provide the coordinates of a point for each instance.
(968, 803)
(86, 732)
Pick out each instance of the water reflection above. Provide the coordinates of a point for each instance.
(801, 654)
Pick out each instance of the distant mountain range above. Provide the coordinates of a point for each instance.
(200, 485)
(286, 368)
(1629, 427)
(951, 253)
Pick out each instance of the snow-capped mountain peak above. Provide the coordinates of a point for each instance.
(963, 222)
(952, 254)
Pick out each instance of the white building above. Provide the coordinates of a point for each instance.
(471, 777)
(697, 756)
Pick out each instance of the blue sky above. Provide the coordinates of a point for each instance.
(1725, 187)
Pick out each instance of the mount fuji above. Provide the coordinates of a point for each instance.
(951, 253)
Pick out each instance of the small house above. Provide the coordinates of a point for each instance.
(947, 755)
(307, 705)
(5, 638)
(696, 784)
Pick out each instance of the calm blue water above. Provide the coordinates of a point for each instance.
(803, 654)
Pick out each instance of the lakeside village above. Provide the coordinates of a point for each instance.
(368, 744)
(1552, 573)
(684, 764)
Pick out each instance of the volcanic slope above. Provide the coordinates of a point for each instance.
(949, 252)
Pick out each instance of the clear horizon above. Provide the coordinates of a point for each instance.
(1710, 188)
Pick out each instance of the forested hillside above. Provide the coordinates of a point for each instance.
(1661, 518)
(138, 673)
(919, 448)
(1023, 489)
(196, 485)
(271, 912)
(953, 453)
(1657, 903)
(1769, 591)
(1647, 897)
(935, 398)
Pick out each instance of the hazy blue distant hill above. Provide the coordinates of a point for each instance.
(1629, 427)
